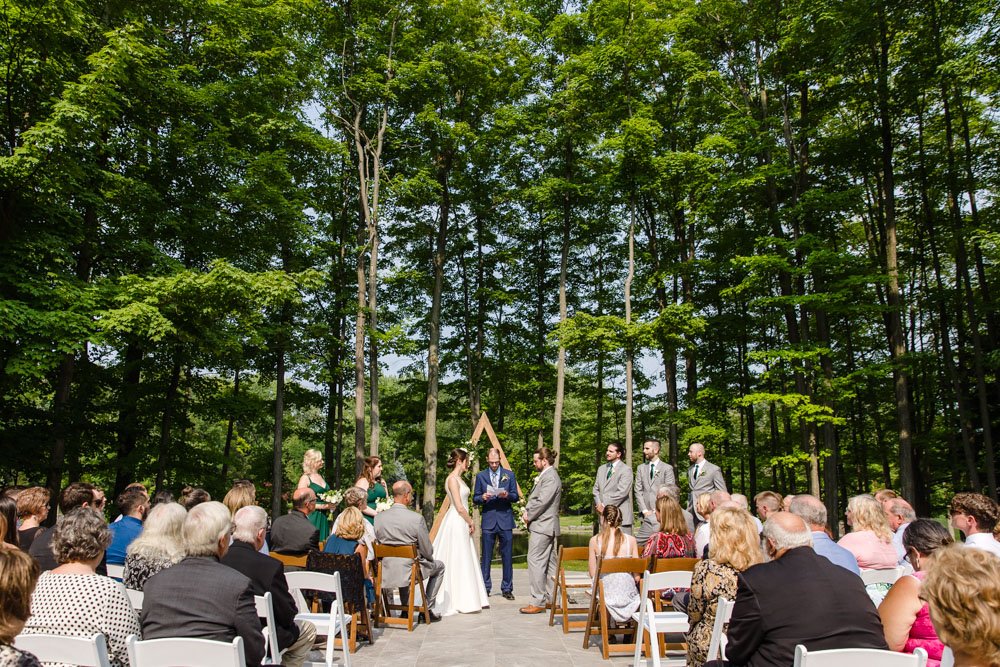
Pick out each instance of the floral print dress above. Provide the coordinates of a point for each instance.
(709, 582)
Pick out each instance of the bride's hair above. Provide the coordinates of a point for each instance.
(457, 455)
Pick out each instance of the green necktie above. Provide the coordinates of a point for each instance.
(611, 466)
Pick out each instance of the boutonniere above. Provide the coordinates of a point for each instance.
(504, 478)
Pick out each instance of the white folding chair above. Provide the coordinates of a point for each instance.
(185, 651)
(869, 657)
(655, 622)
(265, 610)
(136, 598)
(717, 644)
(84, 651)
(887, 576)
(330, 624)
(116, 572)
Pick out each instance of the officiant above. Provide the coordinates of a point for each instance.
(496, 491)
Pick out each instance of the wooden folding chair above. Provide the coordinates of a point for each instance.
(598, 616)
(563, 582)
(384, 606)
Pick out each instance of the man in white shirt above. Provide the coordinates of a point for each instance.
(975, 515)
(900, 514)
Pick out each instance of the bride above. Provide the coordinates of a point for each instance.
(462, 589)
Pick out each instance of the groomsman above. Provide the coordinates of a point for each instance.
(541, 514)
(649, 478)
(498, 519)
(613, 485)
(703, 477)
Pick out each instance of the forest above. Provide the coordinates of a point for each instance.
(231, 231)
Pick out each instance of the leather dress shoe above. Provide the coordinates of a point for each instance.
(532, 609)
(508, 595)
(434, 617)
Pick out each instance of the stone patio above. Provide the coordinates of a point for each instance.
(499, 636)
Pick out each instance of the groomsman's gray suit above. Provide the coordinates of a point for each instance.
(709, 479)
(615, 490)
(646, 486)
(399, 525)
(542, 511)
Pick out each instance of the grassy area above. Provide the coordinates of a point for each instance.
(581, 520)
(571, 566)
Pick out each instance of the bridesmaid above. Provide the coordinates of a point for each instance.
(371, 481)
(311, 478)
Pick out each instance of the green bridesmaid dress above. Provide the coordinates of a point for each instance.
(376, 492)
(320, 518)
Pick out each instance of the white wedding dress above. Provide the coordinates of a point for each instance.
(462, 588)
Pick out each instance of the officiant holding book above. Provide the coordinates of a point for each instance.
(496, 492)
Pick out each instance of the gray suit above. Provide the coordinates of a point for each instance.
(542, 511)
(645, 495)
(397, 526)
(615, 490)
(709, 479)
(201, 598)
(293, 533)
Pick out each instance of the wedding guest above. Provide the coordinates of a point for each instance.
(883, 495)
(744, 504)
(797, 597)
(295, 638)
(905, 617)
(77, 494)
(133, 504)
(401, 526)
(191, 497)
(293, 533)
(8, 512)
(976, 516)
(786, 502)
(767, 502)
(675, 493)
(348, 538)
(72, 599)
(18, 574)
(673, 539)
(158, 547)
(870, 539)
(33, 510)
(813, 512)
(161, 496)
(621, 597)
(371, 481)
(703, 509)
(735, 547)
(358, 497)
(242, 494)
(962, 590)
(899, 514)
(312, 463)
(200, 597)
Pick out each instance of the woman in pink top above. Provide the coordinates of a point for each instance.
(905, 617)
(870, 539)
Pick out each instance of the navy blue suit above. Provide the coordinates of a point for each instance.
(498, 522)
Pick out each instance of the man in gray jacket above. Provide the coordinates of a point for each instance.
(649, 478)
(703, 477)
(399, 526)
(613, 485)
(541, 514)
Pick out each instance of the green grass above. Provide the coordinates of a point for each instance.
(576, 521)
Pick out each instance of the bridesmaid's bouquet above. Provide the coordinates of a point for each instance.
(382, 504)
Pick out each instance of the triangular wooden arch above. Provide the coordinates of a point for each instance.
(484, 425)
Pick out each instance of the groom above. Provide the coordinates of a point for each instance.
(498, 519)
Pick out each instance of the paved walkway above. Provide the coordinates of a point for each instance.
(498, 636)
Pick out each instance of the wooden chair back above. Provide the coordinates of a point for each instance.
(673, 564)
(598, 618)
(384, 603)
(566, 580)
(289, 560)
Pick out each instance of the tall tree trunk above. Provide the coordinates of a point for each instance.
(433, 348)
(561, 360)
(230, 428)
(167, 419)
(629, 351)
(128, 417)
(897, 340)
(277, 469)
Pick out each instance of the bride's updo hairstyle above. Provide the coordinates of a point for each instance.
(458, 455)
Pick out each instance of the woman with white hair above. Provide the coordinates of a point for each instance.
(158, 547)
(73, 600)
